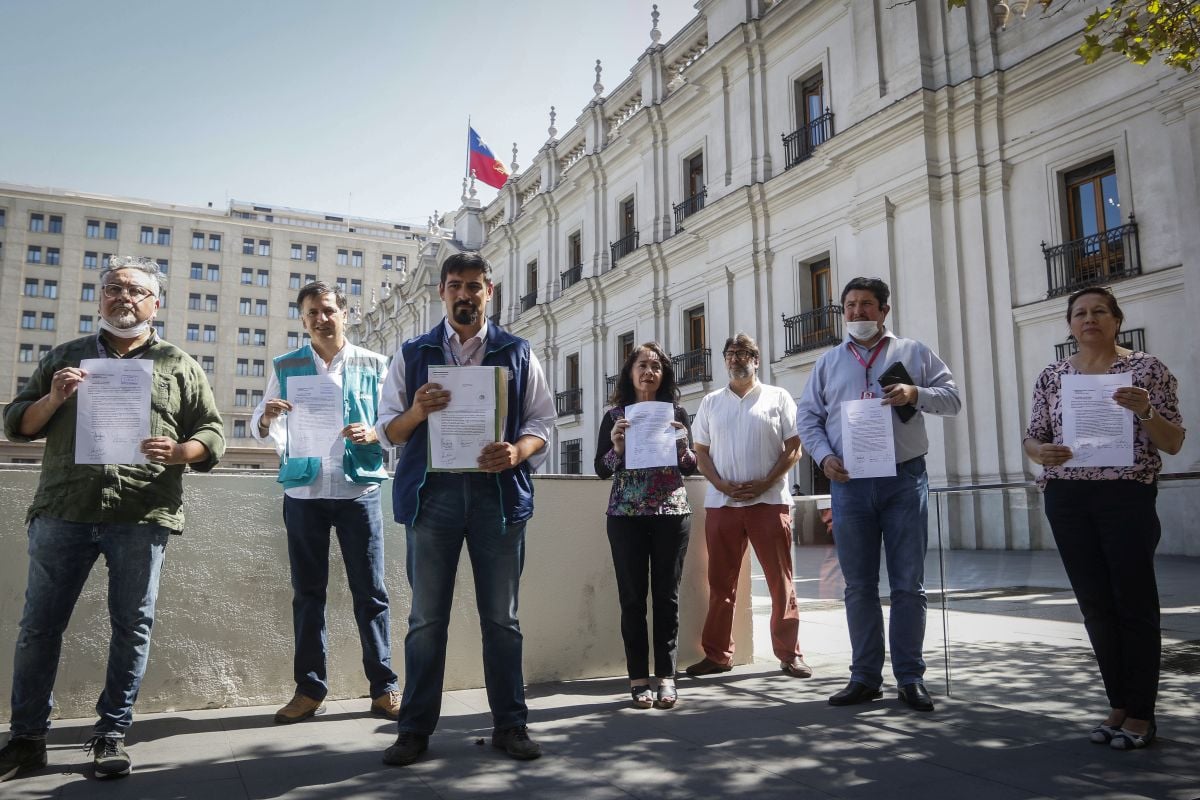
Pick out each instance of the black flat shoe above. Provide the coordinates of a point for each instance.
(916, 697)
(855, 693)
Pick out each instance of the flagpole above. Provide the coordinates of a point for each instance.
(467, 165)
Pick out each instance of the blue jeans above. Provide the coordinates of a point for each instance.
(359, 525)
(894, 511)
(61, 555)
(458, 507)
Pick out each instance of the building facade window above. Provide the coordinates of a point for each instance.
(213, 273)
(293, 340)
(243, 366)
(90, 260)
(297, 252)
(48, 321)
(163, 266)
(196, 273)
(53, 256)
(110, 230)
(356, 258)
(92, 229)
(56, 224)
(247, 276)
(210, 333)
(264, 247)
(343, 257)
(164, 236)
(197, 240)
(294, 280)
(87, 292)
(85, 324)
(25, 354)
(28, 319)
(193, 302)
(50, 289)
(243, 336)
(210, 302)
(193, 332)
(244, 306)
(239, 429)
(310, 252)
(264, 277)
(33, 254)
(146, 236)
(37, 223)
(32, 287)
(260, 337)
(260, 308)
(258, 368)
(241, 398)
(247, 247)
(214, 242)
(355, 287)
(208, 364)
(387, 261)
(293, 311)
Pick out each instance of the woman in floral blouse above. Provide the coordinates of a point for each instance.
(1103, 518)
(649, 520)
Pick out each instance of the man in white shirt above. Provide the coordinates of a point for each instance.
(340, 489)
(486, 509)
(746, 442)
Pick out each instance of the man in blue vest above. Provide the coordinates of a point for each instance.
(487, 509)
(339, 490)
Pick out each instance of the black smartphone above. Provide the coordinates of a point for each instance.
(896, 373)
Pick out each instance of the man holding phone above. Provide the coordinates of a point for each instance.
(906, 375)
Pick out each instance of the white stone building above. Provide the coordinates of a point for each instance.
(770, 151)
(232, 279)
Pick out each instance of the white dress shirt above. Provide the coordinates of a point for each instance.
(538, 412)
(744, 437)
(330, 483)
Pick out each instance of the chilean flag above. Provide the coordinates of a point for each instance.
(488, 168)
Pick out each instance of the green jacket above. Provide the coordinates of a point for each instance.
(181, 407)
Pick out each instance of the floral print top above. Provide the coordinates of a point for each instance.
(643, 492)
(1045, 422)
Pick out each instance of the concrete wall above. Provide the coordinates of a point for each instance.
(224, 637)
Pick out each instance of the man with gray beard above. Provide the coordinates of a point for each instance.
(125, 512)
(746, 442)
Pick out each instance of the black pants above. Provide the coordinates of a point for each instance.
(653, 547)
(1106, 532)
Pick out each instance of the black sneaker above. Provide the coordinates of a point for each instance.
(21, 755)
(109, 756)
(406, 750)
(516, 742)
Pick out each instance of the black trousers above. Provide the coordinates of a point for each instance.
(648, 554)
(1106, 532)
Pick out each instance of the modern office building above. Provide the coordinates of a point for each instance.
(232, 279)
(739, 174)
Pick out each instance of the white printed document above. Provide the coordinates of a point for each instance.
(459, 432)
(1098, 431)
(112, 413)
(650, 438)
(317, 417)
(868, 449)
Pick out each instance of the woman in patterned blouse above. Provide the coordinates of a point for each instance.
(1103, 518)
(649, 520)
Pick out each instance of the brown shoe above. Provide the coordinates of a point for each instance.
(705, 666)
(387, 705)
(300, 707)
(796, 668)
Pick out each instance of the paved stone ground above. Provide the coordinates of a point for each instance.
(1023, 695)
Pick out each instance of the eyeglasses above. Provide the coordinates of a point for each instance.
(136, 293)
(740, 355)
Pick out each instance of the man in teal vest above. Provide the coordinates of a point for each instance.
(485, 509)
(338, 490)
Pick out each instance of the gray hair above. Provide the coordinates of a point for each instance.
(147, 265)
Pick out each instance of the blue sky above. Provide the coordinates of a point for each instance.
(356, 107)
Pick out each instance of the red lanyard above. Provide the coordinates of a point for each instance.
(874, 351)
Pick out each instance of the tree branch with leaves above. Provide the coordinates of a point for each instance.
(1136, 29)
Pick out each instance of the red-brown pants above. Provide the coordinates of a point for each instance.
(768, 528)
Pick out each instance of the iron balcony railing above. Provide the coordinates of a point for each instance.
(1134, 339)
(800, 144)
(571, 277)
(688, 207)
(623, 246)
(1099, 258)
(570, 457)
(494, 319)
(610, 385)
(694, 366)
(528, 301)
(821, 327)
(569, 401)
